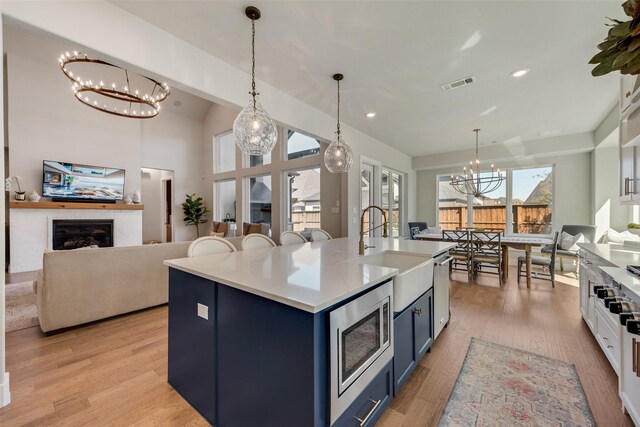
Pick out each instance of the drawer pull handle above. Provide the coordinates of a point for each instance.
(634, 356)
(628, 94)
(375, 406)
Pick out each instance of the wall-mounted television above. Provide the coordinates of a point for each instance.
(74, 181)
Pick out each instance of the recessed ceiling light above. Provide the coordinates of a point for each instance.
(520, 73)
(371, 115)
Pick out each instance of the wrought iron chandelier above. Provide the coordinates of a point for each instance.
(129, 94)
(255, 132)
(338, 157)
(476, 183)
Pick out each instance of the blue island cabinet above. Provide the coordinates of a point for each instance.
(251, 362)
(413, 335)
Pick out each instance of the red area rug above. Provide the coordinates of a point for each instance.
(503, 386)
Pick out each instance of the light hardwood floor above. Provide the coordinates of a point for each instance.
(114, 372)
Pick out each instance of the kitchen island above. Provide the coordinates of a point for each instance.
(249, 331)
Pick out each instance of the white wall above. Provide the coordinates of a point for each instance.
(607, 211)
(176, 143)
(5, 395)
(572, 187)
(47, 123)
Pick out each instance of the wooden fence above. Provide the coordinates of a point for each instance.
(527, 219)
(305, 219)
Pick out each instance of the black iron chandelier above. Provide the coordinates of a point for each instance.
(473, 182)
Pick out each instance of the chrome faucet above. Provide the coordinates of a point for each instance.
(361, 245)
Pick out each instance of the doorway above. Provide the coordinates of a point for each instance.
(157, 196)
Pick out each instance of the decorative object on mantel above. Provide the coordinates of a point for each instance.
(504, 386)
(34, 196)
(8, 184)
(194, 212)
(620, 51)
(132, 95)
(477, 184)
(136, 199)
(128, 200)
(255, 132)
(338, 157)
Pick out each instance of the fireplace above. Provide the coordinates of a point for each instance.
(79, 233)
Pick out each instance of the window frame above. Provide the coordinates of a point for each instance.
(217, 153)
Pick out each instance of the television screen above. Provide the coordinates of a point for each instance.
(76, 181)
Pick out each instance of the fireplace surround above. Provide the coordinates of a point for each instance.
(79, 233)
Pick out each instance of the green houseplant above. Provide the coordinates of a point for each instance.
(194, 212)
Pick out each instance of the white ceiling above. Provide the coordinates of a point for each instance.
(395, 55)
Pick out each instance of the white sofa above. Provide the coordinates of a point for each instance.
(84, 285)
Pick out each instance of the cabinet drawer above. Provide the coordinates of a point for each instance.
(608, 339)
(367, 409)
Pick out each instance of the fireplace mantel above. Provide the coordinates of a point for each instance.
(74, 205)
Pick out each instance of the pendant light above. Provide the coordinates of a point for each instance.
(338, 157)
(255, 132)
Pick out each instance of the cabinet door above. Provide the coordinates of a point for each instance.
(423, 324)
(627, 166)
(630, 375)
(584, 286)
(404, 357)
(626, 91)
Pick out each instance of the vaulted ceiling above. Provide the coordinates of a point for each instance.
(395, 55)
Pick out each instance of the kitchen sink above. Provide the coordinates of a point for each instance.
(415, 275)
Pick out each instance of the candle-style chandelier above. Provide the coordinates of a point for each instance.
(474, 182)
(124, 94)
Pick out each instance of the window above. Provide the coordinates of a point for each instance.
(224, 152)
(392, 186)
(303, 199)
(225, 201)
(532, 199)
(260, 199)
(526, 209)
(300, 145)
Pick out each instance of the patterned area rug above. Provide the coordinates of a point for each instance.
(503, 386)
(21, 312)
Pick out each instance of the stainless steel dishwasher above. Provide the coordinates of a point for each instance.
(441, 286)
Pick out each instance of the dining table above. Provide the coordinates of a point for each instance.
(519, 242)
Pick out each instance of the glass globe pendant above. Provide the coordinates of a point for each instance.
(338, 157)
(255, 132)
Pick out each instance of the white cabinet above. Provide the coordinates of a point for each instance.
(630, 375)
(607, 334)
(629, 142)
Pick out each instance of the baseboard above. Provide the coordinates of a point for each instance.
(5, 395)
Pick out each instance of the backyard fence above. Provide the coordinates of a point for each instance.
(305, 219)
(527, 219)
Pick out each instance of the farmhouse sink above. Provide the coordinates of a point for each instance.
(415, 275)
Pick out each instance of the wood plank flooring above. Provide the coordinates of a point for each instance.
(114, 372)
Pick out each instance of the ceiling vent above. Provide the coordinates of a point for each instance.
(457, 83)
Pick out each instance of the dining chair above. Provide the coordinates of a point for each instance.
(486, 252)
(415, 228)
(319, 235)
(461, 253)
(208, 245)
(547, 263)
(291, 238)
(257, 241)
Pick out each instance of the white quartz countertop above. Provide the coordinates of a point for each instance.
(619, 257)
(310, 276)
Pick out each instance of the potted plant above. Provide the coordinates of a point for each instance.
(8, 184)
(194, 212)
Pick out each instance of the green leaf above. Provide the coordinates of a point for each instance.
(621, 30)
(623, 59)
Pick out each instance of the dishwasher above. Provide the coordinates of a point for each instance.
(441, 287)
